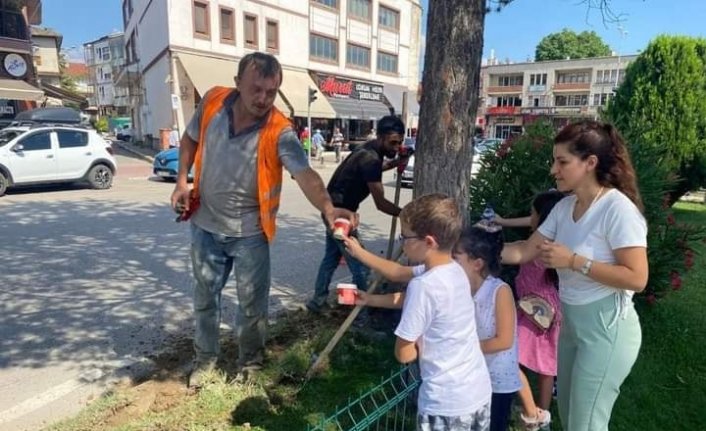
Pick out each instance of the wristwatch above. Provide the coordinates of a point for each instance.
(586, 268)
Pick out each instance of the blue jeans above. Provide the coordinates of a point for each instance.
(332, 256)
(213, 257)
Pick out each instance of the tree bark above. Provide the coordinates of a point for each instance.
(449, 100)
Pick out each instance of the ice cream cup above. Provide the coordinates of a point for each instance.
(341, 228)
(346, 293)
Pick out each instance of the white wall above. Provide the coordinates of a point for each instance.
(157, 105)
(46, 49)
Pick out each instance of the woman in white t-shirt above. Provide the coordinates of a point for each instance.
(597, 241)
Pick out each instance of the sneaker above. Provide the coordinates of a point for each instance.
(315, 307)
(246, 373)
(201, 373)
(541, 420)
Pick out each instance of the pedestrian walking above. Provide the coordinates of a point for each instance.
(318, 142)
(337, 143)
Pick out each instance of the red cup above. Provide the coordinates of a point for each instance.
(346, 293)
(341, 228)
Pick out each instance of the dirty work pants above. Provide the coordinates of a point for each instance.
(213, 257)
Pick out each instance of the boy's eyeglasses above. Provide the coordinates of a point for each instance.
(403, 237)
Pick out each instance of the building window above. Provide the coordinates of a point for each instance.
(538, 79)
(201, 20)
(601, 99)
(37, 60)
(227, 18)
(358, 56)
(329, 3)
(510, 80)
(573, 78)
(389, 18)
(12, 23)
(360, 9)
(251, 31)
(105, 53)
(323, 47)
(272, 35)
(571, 100)
(509, 101)
(387, 62)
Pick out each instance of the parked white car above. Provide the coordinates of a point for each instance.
(53, 154)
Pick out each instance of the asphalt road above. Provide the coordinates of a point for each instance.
(92, 281)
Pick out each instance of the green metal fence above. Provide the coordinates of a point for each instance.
(389, 406)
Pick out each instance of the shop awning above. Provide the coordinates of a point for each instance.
(295, 89)
(394, 94)
(13, 89)
(207, 72)
(359, 109)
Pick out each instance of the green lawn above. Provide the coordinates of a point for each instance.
(666, 390)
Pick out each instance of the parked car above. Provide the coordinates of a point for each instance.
(166, 165)
(481, 147)
(124, 133)
(54, 154)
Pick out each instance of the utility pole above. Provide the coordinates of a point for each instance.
(312, 97)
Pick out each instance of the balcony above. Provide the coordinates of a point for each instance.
(573, 86)
(509, 89)
(503, 110)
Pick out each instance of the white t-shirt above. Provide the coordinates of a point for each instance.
(611, 223)
(439, 315)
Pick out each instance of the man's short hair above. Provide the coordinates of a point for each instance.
(265, 64)
(436, 215)
(390, 124)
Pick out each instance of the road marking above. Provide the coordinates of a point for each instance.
(57, 392)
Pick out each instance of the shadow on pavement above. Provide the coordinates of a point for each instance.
(94, 281)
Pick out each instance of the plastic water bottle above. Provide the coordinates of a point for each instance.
(488, 213)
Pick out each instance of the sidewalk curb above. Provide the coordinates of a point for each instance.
(133, 151)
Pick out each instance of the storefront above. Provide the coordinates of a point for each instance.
(16, 94)
(504, 121)
(358, 105)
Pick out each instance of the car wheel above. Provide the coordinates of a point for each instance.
(4, 182)
(100, 177)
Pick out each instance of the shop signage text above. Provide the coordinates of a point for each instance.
(349, 89)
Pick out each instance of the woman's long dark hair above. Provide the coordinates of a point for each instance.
(592, 138)
(542, 205)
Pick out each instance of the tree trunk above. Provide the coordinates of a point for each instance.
(449, 100)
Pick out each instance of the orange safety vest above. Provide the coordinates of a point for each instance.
(269, 167)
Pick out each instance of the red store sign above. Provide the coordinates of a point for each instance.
(503, 110)
(349, 89)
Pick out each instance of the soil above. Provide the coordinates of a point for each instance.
(165, 386)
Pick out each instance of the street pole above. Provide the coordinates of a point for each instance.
(398, 185)
(308, 124)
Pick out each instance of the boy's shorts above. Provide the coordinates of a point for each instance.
(476, 421)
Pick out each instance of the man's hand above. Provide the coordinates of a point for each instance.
(333, 213)
(180, 198)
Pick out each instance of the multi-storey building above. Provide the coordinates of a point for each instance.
(360, 55)
(513, 95)
(105, 58)
(46, 44)
(18, 79)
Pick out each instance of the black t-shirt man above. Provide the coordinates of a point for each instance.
(360, 175)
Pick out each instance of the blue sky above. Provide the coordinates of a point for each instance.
(515, 31)
(512, 33)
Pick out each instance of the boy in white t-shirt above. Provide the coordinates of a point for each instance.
(438, 324)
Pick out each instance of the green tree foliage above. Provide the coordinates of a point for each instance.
(567, 43)
(67, 81)
(662, 105)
